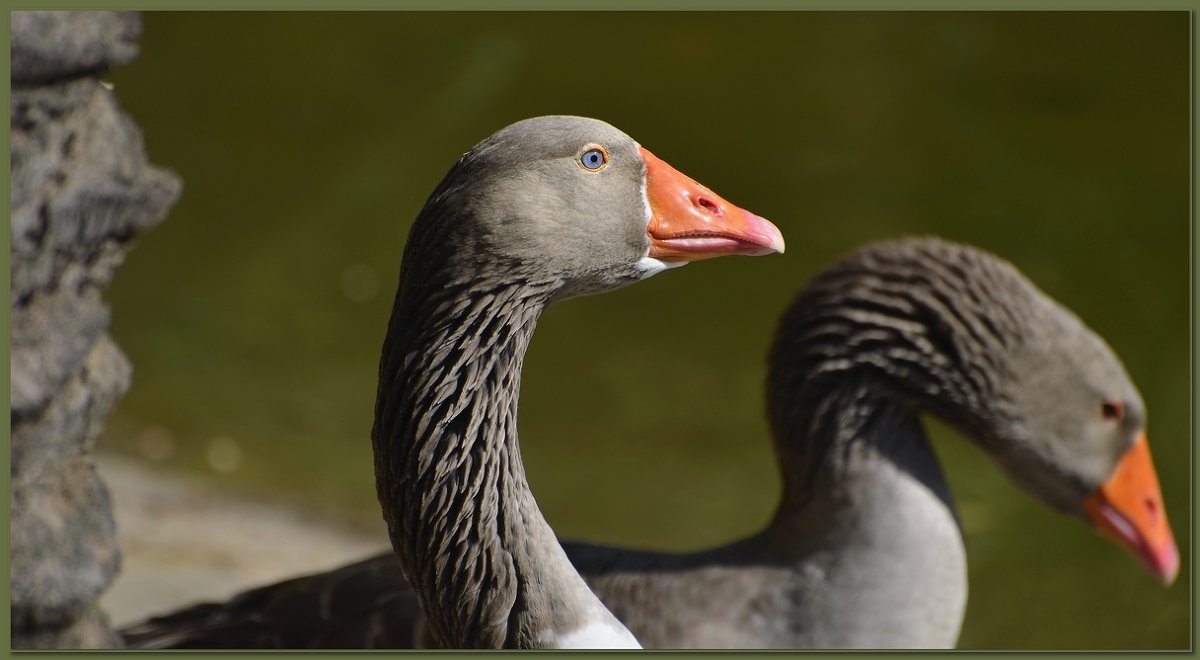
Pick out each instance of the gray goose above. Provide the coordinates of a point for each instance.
(865, 549)
(545, 209)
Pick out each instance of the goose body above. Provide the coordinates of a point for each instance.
(865, 549)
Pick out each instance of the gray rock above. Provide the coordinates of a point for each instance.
(48, 45)
(82, 189)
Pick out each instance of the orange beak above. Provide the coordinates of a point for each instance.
(689, 222)
(1129, 509)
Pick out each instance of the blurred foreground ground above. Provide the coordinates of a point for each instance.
(184, 541)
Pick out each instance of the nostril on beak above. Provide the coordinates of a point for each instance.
(707, 205)
(1152, 508)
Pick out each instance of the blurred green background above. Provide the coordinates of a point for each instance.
(308, 142)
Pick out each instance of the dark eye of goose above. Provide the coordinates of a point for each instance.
(1112, 411)
(594, 159)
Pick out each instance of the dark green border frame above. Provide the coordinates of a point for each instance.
(624, 5)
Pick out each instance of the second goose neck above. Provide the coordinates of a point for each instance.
(866, 512)
(876, 340)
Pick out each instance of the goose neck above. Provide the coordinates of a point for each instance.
(879, 339)
(485, 564)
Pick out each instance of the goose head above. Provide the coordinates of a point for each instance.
(1076, 434)
(577, 204)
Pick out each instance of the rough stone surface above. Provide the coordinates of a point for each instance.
(82, 189)
(63, 44)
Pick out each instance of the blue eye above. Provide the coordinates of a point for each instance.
(594, 159)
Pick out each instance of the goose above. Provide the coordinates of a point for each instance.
(865, 549)
(545, 209)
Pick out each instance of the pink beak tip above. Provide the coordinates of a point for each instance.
(1165, 564)
(767, 233)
